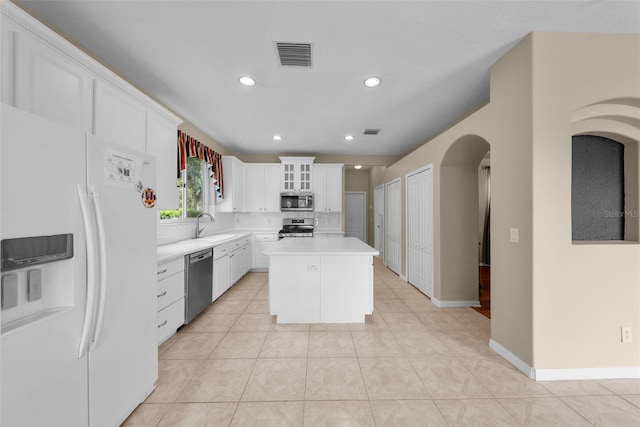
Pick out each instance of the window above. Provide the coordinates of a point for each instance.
(200, 179)
(192, 196)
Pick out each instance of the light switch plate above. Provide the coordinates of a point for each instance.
(9, 291)
(34, 285)
(514, 235)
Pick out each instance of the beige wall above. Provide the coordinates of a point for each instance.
(583, 293)
(554, 304)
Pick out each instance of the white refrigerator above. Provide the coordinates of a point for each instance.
(78, 343)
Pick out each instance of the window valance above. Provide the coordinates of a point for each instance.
(190, 147)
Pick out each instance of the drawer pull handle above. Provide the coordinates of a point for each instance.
(162, 294)
(162, 271)
(162, 324)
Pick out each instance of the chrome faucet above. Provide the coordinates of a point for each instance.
(198, 229)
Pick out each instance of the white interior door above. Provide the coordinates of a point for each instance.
(355, 215)
(378, 219)
(393, 226)
(420, 230)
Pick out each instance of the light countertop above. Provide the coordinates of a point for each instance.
(321, 246)
(185, 247)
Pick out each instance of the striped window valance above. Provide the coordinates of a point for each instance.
(190, 147)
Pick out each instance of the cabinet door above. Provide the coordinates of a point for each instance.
(7, 36)
(119, 118)
(271, 192)
(50, 85)
(234, 259)
(333, 189)
(255, 188)
(288, 176)
(161, 143)
(304, 176)
(247, 260)
(220, 277)
(320, 188)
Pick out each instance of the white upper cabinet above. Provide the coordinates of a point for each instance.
(296, 173)
(234, 185)
(50, 85)
(263, 187)
(119, 118)
(162, 140)
(327, 187)
(7, 36)
(46, 75)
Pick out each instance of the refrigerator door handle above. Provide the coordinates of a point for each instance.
(102, 245)
(89, 312)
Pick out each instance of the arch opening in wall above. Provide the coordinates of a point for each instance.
(459, 243)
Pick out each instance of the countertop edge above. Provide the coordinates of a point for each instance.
(179, 250)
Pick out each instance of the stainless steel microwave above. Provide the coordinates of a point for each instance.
(302, 201)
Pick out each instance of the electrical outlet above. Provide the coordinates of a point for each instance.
(625, 334)
(312, 268)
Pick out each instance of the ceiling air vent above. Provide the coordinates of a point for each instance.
(371, 131)
(294, 54)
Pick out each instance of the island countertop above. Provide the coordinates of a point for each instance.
(321, 246)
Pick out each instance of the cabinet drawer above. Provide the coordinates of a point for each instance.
(170, 290)
(222, 250)
(246, 240)
(167, 269)
(169, 320)
(236, 244)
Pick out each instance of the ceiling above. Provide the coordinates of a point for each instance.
(433, 58)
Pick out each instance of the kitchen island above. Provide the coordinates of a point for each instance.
(321, 280)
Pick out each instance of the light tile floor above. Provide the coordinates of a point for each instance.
(410, 364)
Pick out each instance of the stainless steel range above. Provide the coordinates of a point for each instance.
(296, 227)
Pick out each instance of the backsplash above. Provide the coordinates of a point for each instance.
(173, 231)
(273, 221)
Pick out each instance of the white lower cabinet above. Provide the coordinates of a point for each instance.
(261, 242)
(170, 298)
(237, 264)
(247, 255)
(231, 261)
(170, 319)
(221, 270)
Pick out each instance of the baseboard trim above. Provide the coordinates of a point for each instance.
(454, 304)
(402, 277)
(518, 363)
(588, 374)
(631, 372)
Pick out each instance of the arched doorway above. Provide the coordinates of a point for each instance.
(459, 219)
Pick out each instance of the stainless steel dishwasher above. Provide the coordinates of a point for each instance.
(198, 280)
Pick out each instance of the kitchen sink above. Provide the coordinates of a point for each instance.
(210, 239)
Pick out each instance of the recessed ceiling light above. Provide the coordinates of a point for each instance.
(277, 138)
(247, 81)
(357, 167)
(372, 81)
(349, 137)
